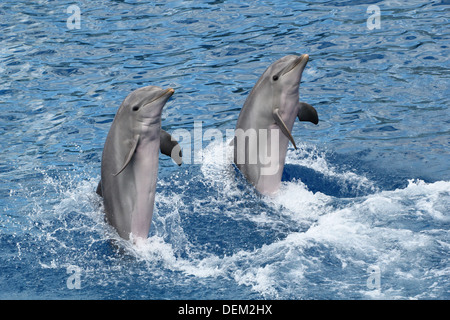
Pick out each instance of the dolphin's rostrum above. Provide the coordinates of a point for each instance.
(271, 107)
(130, 159)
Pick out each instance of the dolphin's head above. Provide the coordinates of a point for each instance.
(278, 87)
(145, 104)
(285, 75)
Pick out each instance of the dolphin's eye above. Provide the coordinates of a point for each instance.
(275, 78)
(135, 108)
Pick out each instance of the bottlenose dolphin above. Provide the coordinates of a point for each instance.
(272, 106)
(130, 160)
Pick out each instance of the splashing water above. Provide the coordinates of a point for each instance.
(212, 230)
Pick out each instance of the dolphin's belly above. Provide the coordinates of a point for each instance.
(272, 157)
(263, 152)
(145, 171)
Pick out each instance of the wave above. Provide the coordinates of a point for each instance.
(326, 244)
(211, 230)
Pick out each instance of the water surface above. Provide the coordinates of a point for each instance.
(369, 187)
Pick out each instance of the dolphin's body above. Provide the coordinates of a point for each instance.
(272, 106)
(130, 160)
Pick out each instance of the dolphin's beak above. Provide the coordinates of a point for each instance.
(166, 94)
(170, 91)
(299, 62)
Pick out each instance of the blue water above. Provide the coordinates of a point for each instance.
(367, 189)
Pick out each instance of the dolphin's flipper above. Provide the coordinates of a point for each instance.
(279, 121)
(307, 112)
(133, 147)
(99, 189)
(170, 147)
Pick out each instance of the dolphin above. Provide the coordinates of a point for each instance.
(272, 106)
(130, 159)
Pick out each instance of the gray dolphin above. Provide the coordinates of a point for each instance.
(130, 161)
(272, 106)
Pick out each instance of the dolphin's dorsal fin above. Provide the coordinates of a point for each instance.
(279, 121)
(306, 112)
(170, 147)
(133, 147)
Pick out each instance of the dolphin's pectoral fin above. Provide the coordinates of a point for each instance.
(279, 121)
(133, 147)
(307, 112)
(170, 147)
(99, 189)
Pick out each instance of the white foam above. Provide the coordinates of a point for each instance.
(310, 157)
(217, 166)
(356, 232)
(155, 251)
(362, 234)
(296, 201)
(338, 240)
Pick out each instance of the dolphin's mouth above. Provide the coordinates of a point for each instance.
(302, 59)
(169, 92)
